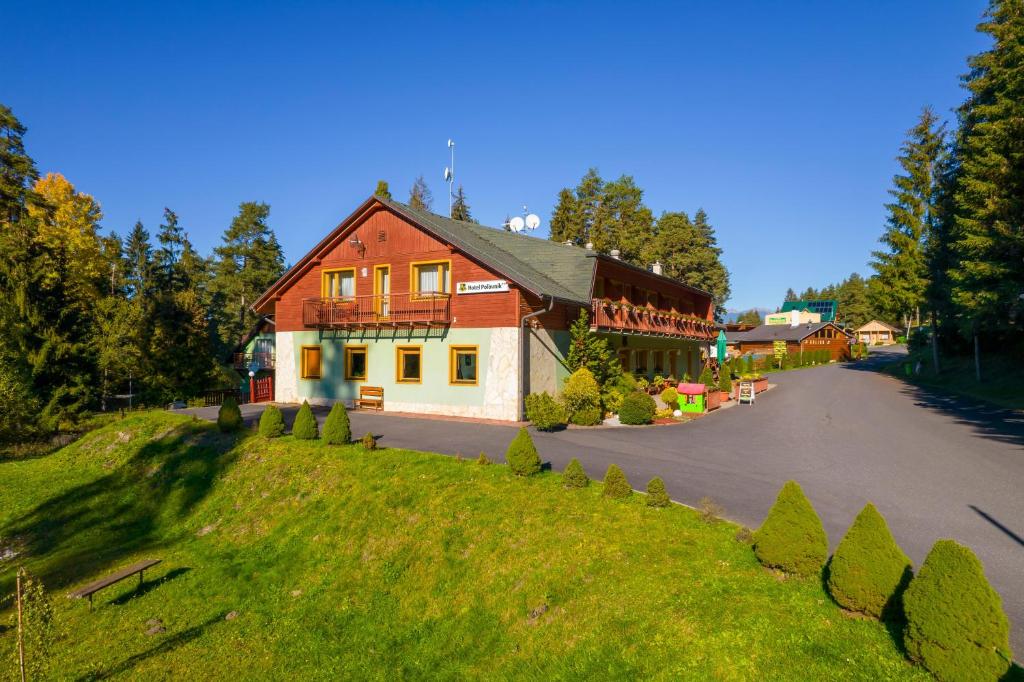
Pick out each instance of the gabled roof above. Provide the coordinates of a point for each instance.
(879, 323)
(779, 332)
(541, 267)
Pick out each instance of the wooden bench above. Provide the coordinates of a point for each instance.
(94, 587)
(370, 396)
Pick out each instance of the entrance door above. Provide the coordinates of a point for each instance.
(382, 287)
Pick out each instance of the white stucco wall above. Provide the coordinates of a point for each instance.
(286, 377)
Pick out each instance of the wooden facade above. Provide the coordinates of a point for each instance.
(829, 337)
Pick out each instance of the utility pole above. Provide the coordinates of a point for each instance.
(449, 177)
(21, 633)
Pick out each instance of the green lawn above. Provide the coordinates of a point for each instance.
(396, 564)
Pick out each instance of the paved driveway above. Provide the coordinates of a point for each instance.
(935, 467)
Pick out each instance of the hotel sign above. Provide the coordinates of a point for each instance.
(488, 287)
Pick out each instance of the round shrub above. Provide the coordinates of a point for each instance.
(581, 394)
(337, 430)
(637, 408)
(369, 441)
(792, 538)
(522, 456)
(657, 496)
(670, 396)
(574, 476)
(544, 412)
(229, 417)
(956, 626)
(615, 484)
(271, 422)
(305, 427)
(869, 571)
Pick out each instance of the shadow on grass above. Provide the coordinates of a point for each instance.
(1014, 674)
(893, 618)
(148, 586)
(169, 643)
(90, 527)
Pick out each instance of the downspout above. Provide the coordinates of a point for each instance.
(520, 408)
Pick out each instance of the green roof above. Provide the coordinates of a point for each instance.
(826, 308)
(541, 266)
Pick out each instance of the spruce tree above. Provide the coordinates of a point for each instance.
(229, 416)
(615, 484)
(337, 430)
(271, 422)
(869, 571)
(460, 207)
(138, 263)
(305, 426)
(657, 496)
(589, 351)
(689, 252)
(420, 196)
(574, 476)
(522, 456)
(382, 190)
(792, 538)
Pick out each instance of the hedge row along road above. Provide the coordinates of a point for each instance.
(936, 467)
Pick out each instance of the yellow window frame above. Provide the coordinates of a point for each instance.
(331, 271)
(349, 352)
(414, 280)
(400, 352)
(305, 369)
(453, 365)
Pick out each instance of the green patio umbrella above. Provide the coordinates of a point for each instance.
(721, 346)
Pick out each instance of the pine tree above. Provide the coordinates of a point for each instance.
(575, 216)
(337, 430)
(138, 265)
(790, 296)
(305, 426)
(623, 222)
(901, 266)
(689, 252)
(565, 220)
(271, 422)
(615, 484)
(382, 190)
(420, 196)
(17, 169)
(589, 351)
(522, 455)
(460, 207)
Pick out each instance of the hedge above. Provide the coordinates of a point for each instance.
(544, 412)
(637, 408)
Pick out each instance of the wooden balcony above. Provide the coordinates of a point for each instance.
(378, 310)
(247, 360)
(628, 319)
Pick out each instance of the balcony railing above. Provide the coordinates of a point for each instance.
(378, 310)
(629, 319)
(262, 360)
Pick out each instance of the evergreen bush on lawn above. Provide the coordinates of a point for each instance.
(229, 417)
(581, 396)
(483, 459)
(271, 422)
(544, 412)
(792, 538)
(670, 396)
(574, 476)
(615, 484)
(637, 408)
(869, 571)
(657, 496)
(305, 427)
(369, 441)
(522, 456)
(956, 626)
(337, 430)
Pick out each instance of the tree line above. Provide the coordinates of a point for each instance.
(89, 316)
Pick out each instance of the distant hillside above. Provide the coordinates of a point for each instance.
(731, 315)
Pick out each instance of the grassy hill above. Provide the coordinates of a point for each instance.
(333, 561)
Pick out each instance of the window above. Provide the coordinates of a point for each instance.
(310, 362)
(355, 363)
(641, 362)
(599, 287)
(408, 368)
(339, 283)
(462, 369)
(431, 278)
(652, 299)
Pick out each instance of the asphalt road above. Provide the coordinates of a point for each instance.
(935, 467)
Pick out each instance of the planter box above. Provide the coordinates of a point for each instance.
(760, 385)
(714, 400)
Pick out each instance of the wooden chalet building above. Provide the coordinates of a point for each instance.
(456, 318)
(799, 338)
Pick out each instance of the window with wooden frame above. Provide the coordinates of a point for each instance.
(408, 364)
(641, 361)
(338, 283)
(463, 365)
(430, 277)
(652, 299)
(355, 363)
(310, 362)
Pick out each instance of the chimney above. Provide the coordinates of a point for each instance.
(614, 253)
(656, 267)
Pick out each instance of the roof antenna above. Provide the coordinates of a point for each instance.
(449, 177)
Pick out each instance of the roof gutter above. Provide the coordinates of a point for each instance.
(521, 397)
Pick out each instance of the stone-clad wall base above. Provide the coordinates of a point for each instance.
(286, 388)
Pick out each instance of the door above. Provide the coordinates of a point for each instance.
(382, 287)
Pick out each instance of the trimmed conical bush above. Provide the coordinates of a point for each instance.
(271, 422)
(522, 456)
(337, 430)
(869, 571)
(792, 538)
(305, 427)
(956, 626)
(657, 496)
(229, 417)
(615, 484)
(483, 459)
(574, 476)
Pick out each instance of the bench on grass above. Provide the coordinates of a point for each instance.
(116, 577)
(370, 396)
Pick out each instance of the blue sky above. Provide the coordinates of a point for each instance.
(781, 120)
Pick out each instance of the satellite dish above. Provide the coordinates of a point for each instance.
(447, 174)
(516, 224)
(532, 221)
